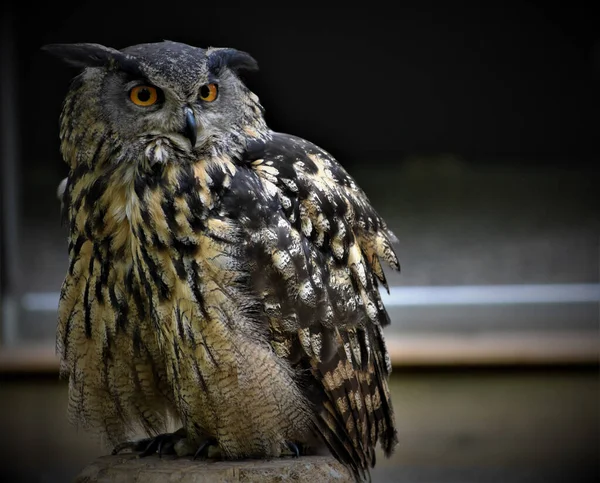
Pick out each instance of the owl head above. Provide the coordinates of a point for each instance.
(156, 103)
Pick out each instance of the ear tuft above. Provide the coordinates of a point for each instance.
(235, 60)
(94, 55)
(82, 55)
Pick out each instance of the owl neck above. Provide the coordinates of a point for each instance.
(125, 210)
(153, 192)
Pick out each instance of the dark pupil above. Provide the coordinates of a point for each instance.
(204, 91)
(144, 95)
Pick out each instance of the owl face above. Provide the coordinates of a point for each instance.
(158, 99)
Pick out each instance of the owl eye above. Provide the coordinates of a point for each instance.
(209, 92)
(143, 95)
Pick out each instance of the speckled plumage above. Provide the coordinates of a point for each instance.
(231, 285)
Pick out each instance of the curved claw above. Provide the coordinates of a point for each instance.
(161, 444)
(205, 444)
(151, 447)
(166, 446)
(293, 447)
(132, 445)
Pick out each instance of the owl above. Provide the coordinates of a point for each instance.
(222, 277)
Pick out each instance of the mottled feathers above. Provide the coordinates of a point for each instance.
(229, 284)
(320, 256)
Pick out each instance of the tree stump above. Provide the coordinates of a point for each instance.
(131, 469)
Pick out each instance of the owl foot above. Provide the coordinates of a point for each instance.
(293, 447)
(205, 446)
(161, 444)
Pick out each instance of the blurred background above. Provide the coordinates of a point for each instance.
(471, 131)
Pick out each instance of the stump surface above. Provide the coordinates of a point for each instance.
(129, 468)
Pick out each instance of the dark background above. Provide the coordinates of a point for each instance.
(371, 83)
(471, 129)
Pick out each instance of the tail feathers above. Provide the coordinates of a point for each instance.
(332, 430)
(355, 411)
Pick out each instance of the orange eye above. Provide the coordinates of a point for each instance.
(209, 92)
(143, 95)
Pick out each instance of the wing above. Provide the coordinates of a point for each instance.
(317, 271)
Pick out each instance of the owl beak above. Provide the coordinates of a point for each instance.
(190, 130)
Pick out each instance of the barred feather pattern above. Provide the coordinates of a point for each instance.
(235, 291)
(172, 280)
(322, 299)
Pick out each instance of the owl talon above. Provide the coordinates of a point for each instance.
(204, 446)
(293, 447)
(161, 444)
(151, 447)
(132, 445)
(166, 446)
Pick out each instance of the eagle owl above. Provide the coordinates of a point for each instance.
(221, 275)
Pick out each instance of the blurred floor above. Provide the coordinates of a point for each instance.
(495, 427)
(500, 426)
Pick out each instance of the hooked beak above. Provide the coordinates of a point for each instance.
(190, 130)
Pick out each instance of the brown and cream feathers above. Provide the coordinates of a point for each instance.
(229, 283)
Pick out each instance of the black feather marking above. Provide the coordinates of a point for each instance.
(365, 356)
(168, 207)
(87, 319)
(88, 228)
(120, 309)
(177, 261)
(175, 374)
(190, 335)
(255, 149)
(137, 340)
(162, 288)
(129, 280)
(134, 290)
(78, 202)
(186, 248)
(177, 351)
(67, 332)
(329, 344)
(217, 175)
(140, 233)
(146, 218)
(196, 289)
(309, 165)
(200, 377)
(103, 278)
(140, 185)
(186, 180)
(340, 207)
(196, 207)
(96, 157)
(74, 255)
(98, 217)
(179, 320)
(158, 243)
(147, 288)
(64, 289)
(210, 355)
(207, 349)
